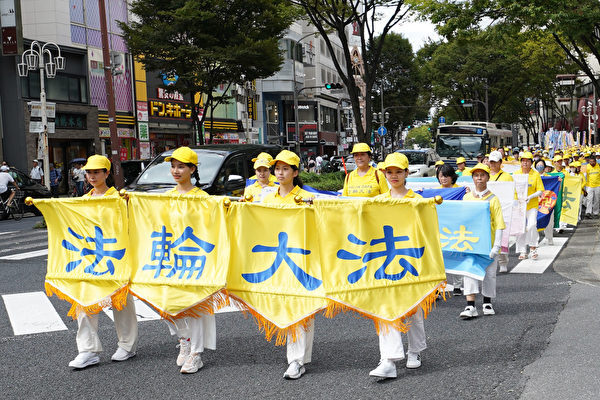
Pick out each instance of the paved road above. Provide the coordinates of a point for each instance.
(499, 357)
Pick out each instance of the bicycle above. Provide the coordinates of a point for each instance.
(13, 205)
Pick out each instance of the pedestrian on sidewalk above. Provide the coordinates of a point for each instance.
(36, 173)
(481, 176)
(55, 179)
(97, 170)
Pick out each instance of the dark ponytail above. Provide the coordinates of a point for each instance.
(297, 181)
(195, 174)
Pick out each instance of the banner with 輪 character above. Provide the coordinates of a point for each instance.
(179, 252)
(88, 251)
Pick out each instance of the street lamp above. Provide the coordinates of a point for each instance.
(588, 111)
(32, 59)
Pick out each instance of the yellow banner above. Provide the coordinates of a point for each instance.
(275, 268)
(571, 199)
(179, 252)
(88, 261)
(382, 258)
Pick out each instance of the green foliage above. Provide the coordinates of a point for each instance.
(420, 136)
(333, 181)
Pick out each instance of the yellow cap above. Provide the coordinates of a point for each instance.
(397, 160)
(261, 162)
(440, 162)
(288, 157)
(185, 155)
(588, 155)
(460, 160)
(263, 156)
(97, 162)
(481, 167)
(566, 157)
(527, 155)
(557, 158)
(575, 164)
(381, 165)
(361, 148)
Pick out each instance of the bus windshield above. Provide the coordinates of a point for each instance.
(459, 146)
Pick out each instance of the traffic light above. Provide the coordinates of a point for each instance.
(330, 86)
(466, 102)
(462, 101)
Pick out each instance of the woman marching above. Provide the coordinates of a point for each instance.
(390, 339)
(286, 166)
(535, 187)
(364, 181)
(265, 181)
(97, 170)
(194, 333)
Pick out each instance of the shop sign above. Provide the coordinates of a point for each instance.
(143, 133)
(37, 127)
(36, 109)
(104, 132)
(163, 94)
(123, 154)
(144, 150)
(142, 111)
(161, 109)
(309, 132)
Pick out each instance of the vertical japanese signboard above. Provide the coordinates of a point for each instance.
(12, 43)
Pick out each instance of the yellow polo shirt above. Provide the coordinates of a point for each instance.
(275, 198)
(195, 191)
(366, 185)
(256, 189)
(496, 218)
(409, 195)
(501, 176)
(593, 175)
(111, 192)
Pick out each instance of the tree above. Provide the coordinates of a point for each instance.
(208, 43)
(420, 136)
(339, 17)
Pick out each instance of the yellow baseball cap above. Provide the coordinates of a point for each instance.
(397, 160)
(439, 162)
(381, 165)
(566, 157)
(460, 160)
(185, 155)
(527, 155)
(361, 148)
(575, 164)
(261, 162)
(481, 167)
(288, 157)
(97, 162)
(557, 158)
(263, 156)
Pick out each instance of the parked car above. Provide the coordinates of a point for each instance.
(223, 169)
(30, 189)
(132, 169)
(421, 161)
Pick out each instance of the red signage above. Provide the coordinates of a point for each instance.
(123, 154)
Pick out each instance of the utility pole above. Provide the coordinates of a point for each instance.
(110, 97)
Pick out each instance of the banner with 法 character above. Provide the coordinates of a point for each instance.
(465, 237)
(88, 257)
(179, 252)
(377, 259)
(571, 199)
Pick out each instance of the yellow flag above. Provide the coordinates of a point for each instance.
(179, 252)
(88, 251)
(571, 199)
(381, 258)
(275, 265)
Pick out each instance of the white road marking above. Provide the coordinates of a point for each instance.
(32, 313)
(227, 309)
(7, 233)
(546, 254)
(143, 312)
(23, 256)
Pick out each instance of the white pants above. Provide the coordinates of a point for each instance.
(201, 331)
(488, 286)
(593, 200)
(530, 237)
(582, 203)
(549, 230)
(301, 349)
(455, 280)
(503, 259)
(125, 325)
(390, 341)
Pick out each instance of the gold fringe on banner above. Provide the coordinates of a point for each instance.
(270, 328)
(117, 300)
(207, 307)
(401, 324)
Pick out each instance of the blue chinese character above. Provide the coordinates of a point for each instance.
(161, 251)
(281, 254)
(390, 253)
(99, 252)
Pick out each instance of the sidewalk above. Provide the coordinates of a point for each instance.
(569, 367)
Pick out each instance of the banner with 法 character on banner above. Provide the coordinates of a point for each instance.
(465, 237)
(275, 271)
(571, 199)
(179, 252)
(377, 258)
(88, 257)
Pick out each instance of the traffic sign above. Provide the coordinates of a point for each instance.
(382, 131)
(442, 120)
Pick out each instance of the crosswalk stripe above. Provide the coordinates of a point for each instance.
(32, 312)
(7, 233)
(143, 312)
(23, 245)
(23, 256)
(546, 254)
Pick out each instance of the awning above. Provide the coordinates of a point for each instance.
(223, 125)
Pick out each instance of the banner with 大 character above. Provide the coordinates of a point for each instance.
(88, 258)
(380, 257)
(179, 252)
(275, 270)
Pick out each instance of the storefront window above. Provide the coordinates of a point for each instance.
(328, 119)
(69, 88)
(272, 111)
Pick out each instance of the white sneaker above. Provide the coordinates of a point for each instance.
(469, 312)
(550, 242)
(503, 268)
(121, 354)
(192, 364)
(184, 351)
(385, 369)
(84, 360)
(488, 309)
(413, 360)
(294, 371)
